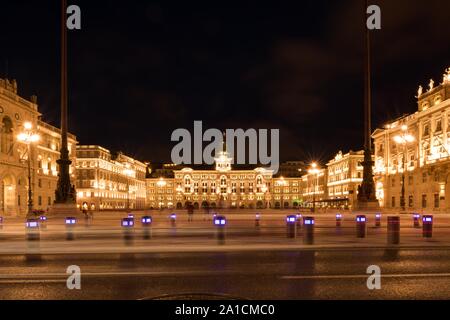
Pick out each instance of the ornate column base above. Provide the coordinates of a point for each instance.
(63, 210)
(370, 205)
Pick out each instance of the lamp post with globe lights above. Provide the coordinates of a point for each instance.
(314, 170)
(404, 139)
(161, 184)
(282, 183)
(29, 136)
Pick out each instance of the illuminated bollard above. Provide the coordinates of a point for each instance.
(378, 220)
(361, 226)
(43, 222)
(220, 222)
(173, 224)
(393, 230)
(1, 223)
(427, 226)
(32, 229)
(128, 230)
(258, 220)
(131, 216)
(308, 227)
(299, 221)
(291, 227)
(147, 226)
(173, 220)
(416, 219)
(70, 228)
(338, 220)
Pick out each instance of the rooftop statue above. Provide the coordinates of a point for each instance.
(431, 85)
(420, 91)
(446, 76)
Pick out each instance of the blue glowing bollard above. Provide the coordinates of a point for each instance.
(128, 227)
(127, 223)
(131, 216)
(416, 220)
(173, 220)
(146, 226)
(147, 221)
(43, 222)
(32, 229)
(291, 226)
(71, 223)
(361, 226)
(308, 226)
(338, 220)
(378, 220)
(220, 222)
(427, 226)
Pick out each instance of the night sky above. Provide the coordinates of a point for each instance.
(140, 69)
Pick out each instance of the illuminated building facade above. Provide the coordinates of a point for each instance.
(109, 182)
(287, 192)
(345, 175)
(17, 115)
(415, 149)
(221, 187)
(314, 188)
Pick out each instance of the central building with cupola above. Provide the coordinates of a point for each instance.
(215, 187)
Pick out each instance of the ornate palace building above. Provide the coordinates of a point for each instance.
(345, 174)
(224, 187)
(415, 149)
(219, 187)
(314, 188)
(20, 118)
(109, 182)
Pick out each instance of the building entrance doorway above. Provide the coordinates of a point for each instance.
(8, 196)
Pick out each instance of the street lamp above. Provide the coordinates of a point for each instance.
(28, 136)
(314, 170)
(403, 139)
(282, 183)
(161, 184)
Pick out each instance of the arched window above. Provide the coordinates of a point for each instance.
(187, 180)
(6, 139)
(259, 180)
(223, 181)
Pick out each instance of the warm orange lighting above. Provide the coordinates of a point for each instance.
(314, 169)
(28, 137)
(404, 139)
(161, 183)
(28, 126)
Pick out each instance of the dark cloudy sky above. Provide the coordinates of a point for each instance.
(141, 69)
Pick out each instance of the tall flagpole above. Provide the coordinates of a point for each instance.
(366, 193)
(65, 193)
